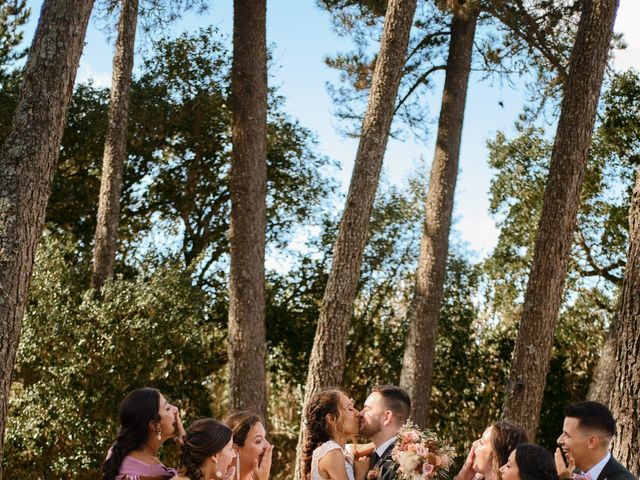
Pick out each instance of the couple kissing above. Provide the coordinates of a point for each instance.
(332, 420)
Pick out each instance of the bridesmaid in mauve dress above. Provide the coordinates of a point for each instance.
(146, 421)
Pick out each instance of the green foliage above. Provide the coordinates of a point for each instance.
(179, 146)
(73, 204)
(516, 201)
(79, 356)
(13, 15)
(598, 252)
(513, 40)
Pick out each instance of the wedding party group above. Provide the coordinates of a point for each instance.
(236, 448)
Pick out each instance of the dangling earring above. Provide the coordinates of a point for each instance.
(158, 432)
(218, 472)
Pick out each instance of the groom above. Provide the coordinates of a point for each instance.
(384, 412)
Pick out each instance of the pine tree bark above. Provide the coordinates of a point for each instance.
(543, 295)
(603, 376)
(417, 364)
(113, 160)
(28, 159)
(625, 397)
(247, 344)
(327, 361)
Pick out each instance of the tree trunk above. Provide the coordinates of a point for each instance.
(104, 249)
(625, 398)
(247, 348)
(603, 376)
(326, 364)
(544, 291)
(28, 159)
(417, 364)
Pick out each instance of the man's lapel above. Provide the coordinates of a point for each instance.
(611, 468)
(386, 455)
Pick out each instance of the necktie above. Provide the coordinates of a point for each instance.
(374, 459)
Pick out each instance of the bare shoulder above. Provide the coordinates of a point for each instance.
(333, 455)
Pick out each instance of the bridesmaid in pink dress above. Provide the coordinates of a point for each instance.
(146, 421)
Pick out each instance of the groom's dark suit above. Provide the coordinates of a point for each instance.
(387, 466)
(613, 470)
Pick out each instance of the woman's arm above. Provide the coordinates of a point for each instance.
(363, 449)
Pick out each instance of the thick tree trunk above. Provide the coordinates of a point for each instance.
(28, 159)
(113, 160)
(417, 364)
(247, 346)
(327, 361)
(603, 376)
(625, 398)
(530, 362)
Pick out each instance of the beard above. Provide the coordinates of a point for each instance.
(370, 428)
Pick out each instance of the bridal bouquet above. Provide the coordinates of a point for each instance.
(419, 455)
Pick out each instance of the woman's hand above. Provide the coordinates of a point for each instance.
(262, 468)
(361, 450)
(230, 473)
(179, 432)
(467, 472)
(564, 470)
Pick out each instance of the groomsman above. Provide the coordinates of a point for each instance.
(586, 436)
(384, 412)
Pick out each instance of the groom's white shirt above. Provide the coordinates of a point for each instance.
(380, 450)
(598, 467)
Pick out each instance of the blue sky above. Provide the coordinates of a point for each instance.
(301, 36)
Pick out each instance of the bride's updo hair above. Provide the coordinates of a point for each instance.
(205, 438)
(505, 437)
(241, 423)
(535, 463)
(317, 430)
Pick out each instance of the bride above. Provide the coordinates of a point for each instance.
(331, 420)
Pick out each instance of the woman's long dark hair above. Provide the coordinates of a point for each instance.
(535, 462)
(138, 408)
(205, 437)
(317, 431)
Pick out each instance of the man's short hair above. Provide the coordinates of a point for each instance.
(395, 399)
(592, 415)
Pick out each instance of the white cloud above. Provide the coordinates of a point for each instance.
(480, 232)
(626, 23)
(87, 72)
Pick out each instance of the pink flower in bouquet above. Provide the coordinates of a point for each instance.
(411, 436)
(420, 455)
(428, 469)
(373, 474)
(421, 450)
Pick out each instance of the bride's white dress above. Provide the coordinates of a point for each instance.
(321, 451)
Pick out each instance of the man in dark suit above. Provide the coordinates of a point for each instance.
(586, 436)
(384, 412)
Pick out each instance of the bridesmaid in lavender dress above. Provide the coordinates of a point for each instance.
(146, 421)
